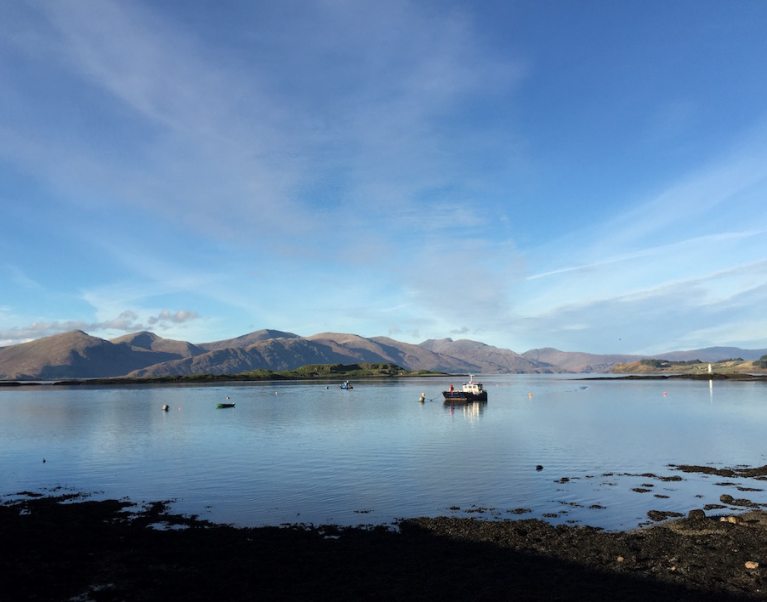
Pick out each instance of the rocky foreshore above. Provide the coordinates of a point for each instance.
(67, 547)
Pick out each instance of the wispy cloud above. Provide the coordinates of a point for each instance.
(695, 243)
(233, 148)
(324, 165)
(16, 275)
(359, 173)
(176, 317)
(663, 263)
(684, 311)
(127, 321)
(694, 201)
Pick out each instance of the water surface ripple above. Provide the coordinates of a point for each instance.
(310, 452)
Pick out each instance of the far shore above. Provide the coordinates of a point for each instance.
(323, 374)
(278, 376)
(696, 376)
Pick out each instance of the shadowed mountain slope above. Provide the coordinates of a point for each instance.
(383, 349)
(573, 361)
(425, 358)
(713, 354)
(144, 354)
(151, 342)
(246, 340)
(274, 354)
(74, 355)
(489, 359)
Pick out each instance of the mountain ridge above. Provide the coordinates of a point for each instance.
(76, 354)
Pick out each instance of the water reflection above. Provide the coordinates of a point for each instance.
(311, 452)
(471, 410)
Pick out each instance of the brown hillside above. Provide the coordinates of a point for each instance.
(247, 340)
(73, 355)
(489, 359)
(151, 342)
(573, 361)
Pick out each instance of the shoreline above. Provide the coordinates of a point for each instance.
(324, 379)
(713, 376)
(62, 547)
(218, 379)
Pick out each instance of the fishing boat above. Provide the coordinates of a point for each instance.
(470, 391)
(224, 405)
(346, 385)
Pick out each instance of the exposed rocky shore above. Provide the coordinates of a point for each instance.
(68, 547)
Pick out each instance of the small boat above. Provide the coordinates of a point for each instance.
(225, 405)
(346, 385)
(470, 391)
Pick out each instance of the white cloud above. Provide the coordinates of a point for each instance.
(337, 143)
(229, 148)
(19, 278)
(655, 274)
(697, 201)
(177, 317)
(683, 312)
(127, 321)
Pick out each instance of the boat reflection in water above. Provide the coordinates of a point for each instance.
(471, 410)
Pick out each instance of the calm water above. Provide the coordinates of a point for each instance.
(294, 452)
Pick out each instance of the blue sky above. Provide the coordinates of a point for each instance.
(588, 175)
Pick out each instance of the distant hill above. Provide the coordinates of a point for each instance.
(488, 359)
(713, 354)
(694, 367)
(274, 354)
(247, 340)
(76, 355)
(151, 342)
(407, 355)
(569, 361)
(427, 359)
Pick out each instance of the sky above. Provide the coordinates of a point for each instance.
(588, 175)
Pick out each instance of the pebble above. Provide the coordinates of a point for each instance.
(751, 565)
(730, 519)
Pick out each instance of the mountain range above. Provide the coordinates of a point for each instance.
(143, 354)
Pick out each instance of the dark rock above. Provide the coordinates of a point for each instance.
(519, 510)
(64, 549)
(728, 499)
(738, 471)
(659, 515)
